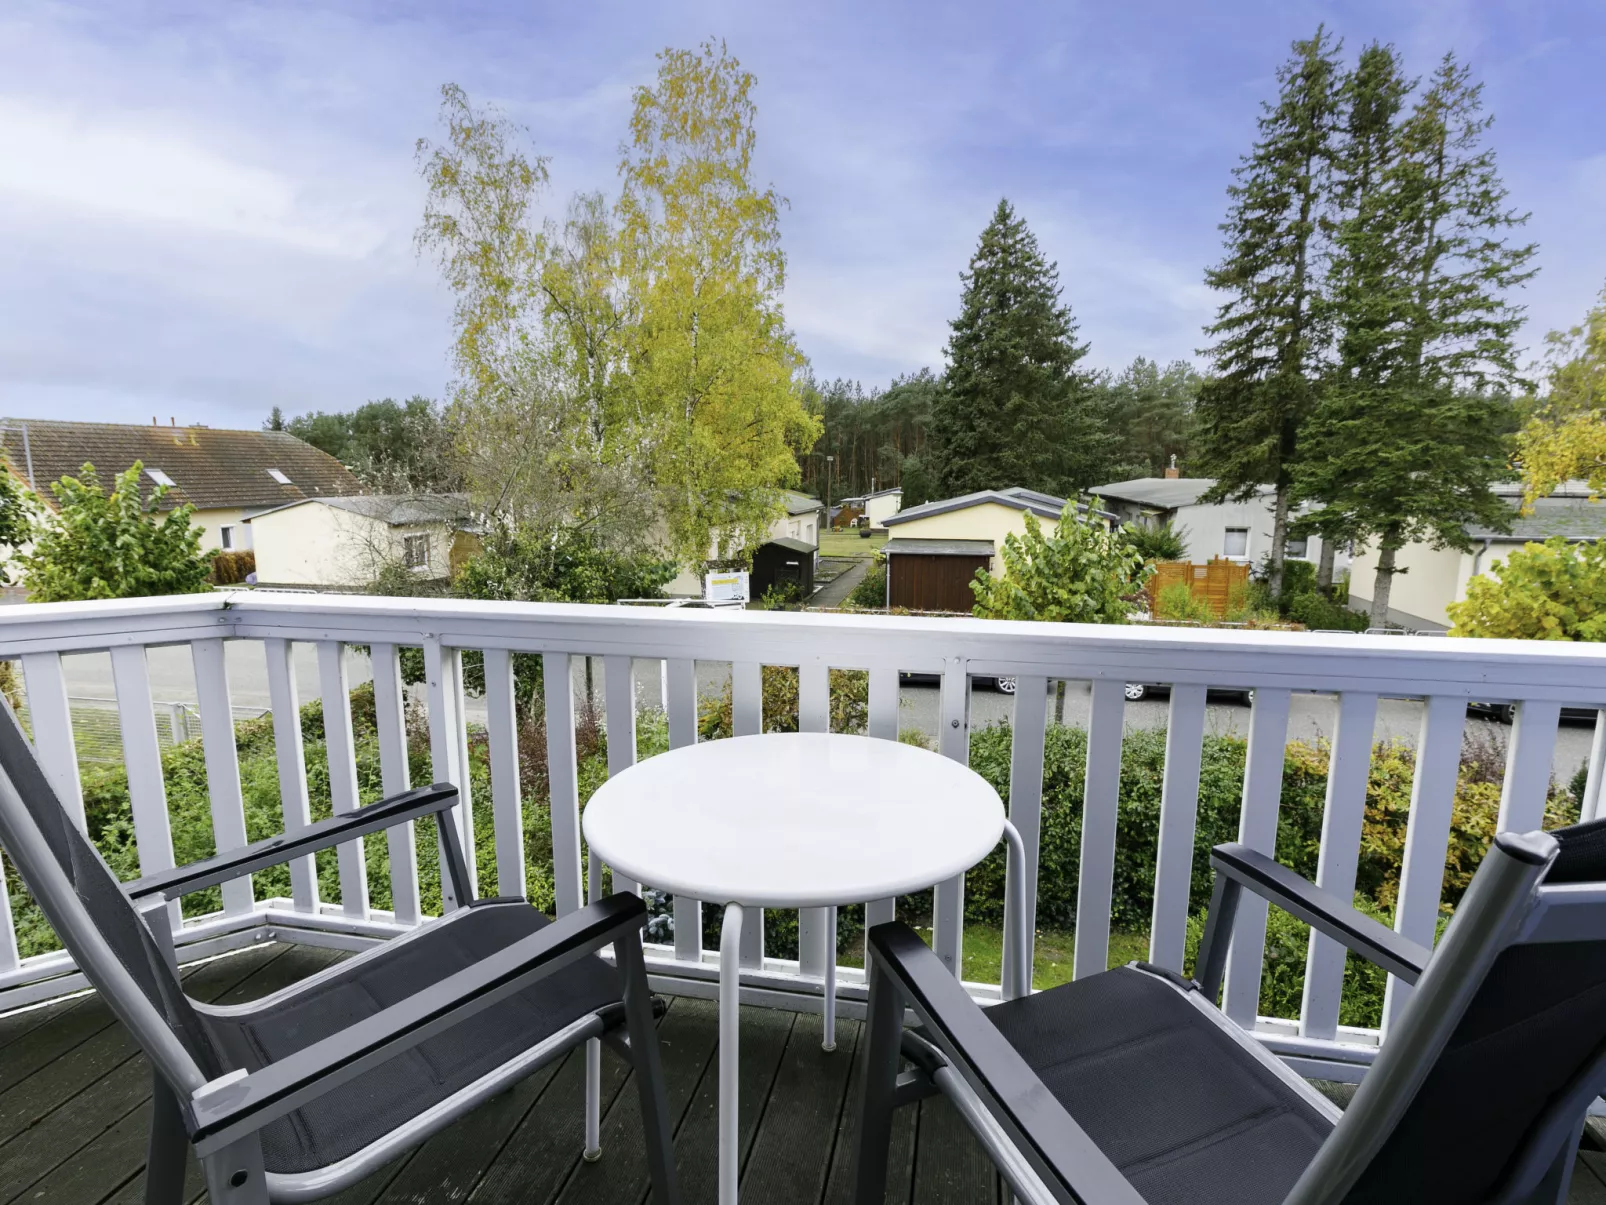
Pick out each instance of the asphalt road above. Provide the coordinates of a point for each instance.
(1311, 717)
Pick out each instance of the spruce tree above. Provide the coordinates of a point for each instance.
(1015, 411)
(1413, 423)
(1269, 340)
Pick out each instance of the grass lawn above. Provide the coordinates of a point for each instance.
(1051, 962)
(849, 543)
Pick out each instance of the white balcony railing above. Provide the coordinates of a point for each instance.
(1538, 678)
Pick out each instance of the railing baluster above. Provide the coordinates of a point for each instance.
(51, 717)
(1030, 726)
(1343, 814)
(1528, 757)
(507, 806)
(563, 774)
(1595, 776)
(953, 740)
(222, 762)
(816, 936)
(291, 758)
(883, 726)
(395, 776)
(747, 713)
(1179, 809)
(1101, 797)
(619, 695)
(341, 748)
(1257, 828)
(9, 953)
(443, 676)
(142, 756)
(1427, 834)
(681, 682)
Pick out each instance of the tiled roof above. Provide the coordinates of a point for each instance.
(801, 504)
(208, 467)
(397, 510)
(1568, 516)
(1164, 493)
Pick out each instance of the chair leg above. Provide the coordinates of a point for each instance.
(235, 1175)
(593, 1147)
(649, 1069)
(878, 1080)
(164, 1159)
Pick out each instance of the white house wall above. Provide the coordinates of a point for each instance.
(1432, 579)
(324, 546)
(881, 507)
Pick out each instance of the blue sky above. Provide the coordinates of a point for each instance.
(207, 209)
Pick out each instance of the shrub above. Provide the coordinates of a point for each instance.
(871, 592)
(1162, 543)
(1082, 573)
(1317, 612)
(1178, 603)
(231, 568)
(849, 707)
(1549, 591)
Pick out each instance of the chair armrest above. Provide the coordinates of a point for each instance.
(1322, 910)
(383, 814)
(1048, 1136)
(227, 1110)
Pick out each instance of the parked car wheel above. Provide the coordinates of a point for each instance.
(1006, 685)
(1135, 691)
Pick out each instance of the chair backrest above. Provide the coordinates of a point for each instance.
(31, 809)
(1508, 1051)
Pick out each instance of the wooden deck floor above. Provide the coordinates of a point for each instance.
(74, 1107)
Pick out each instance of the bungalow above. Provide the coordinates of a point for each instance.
(1234, 531)
(343, 543)
(796, 533)
(876, 508)
(935, 549)
(228, 476)
(1427, 579)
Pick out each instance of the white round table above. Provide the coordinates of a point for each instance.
(789, 820)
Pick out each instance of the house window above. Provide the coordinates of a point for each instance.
(1235, 543)
(1297, 547)
(225, 537)
(160, 477)
(278, 476)
(415, 551)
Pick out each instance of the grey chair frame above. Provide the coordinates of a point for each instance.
(222, 1118)
(1048, 1159)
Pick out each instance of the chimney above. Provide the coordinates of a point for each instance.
(1172, 472)
(172, 422)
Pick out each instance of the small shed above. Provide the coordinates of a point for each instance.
(934, 575)
(781, 562)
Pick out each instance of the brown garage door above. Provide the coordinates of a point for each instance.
(933, 583)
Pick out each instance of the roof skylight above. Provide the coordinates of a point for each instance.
(278, 476)
(160, 477)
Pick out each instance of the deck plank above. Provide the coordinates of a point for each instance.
(764, 1034)
(1589, 1180)
(688, 1035)
(791, 1159)
(951, 1167)
(900, 1150)
(90, 1144)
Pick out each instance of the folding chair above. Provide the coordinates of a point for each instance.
(1130, 1086)
(297, 1095)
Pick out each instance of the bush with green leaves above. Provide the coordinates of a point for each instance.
(111, 545)
(1550, 591)
(1083, 573)
(871, 592)
(1164, 542)
(1177, 603)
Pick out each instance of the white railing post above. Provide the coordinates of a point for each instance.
(883, 725)
(680, 685)
(443, 671)
(619, 698)
(222, 762)
(563, 775)
(1028, 735)
(953, 740)
(395, 776)
(1257, 828)
(1179, 814)
(1528, 756)
(1427, 833)
(291, 758)
(1343, 815)
(51, 716)
(507, 805)
(1589, 807)
(341, 749)
(816, 930)
(747, 719)
(142, 757)
(1101, 801)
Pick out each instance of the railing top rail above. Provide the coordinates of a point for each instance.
(1318, 661)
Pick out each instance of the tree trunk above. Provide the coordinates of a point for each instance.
(1279, 542)
(1384, 582)
(1324, 567)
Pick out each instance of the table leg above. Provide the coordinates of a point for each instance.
(829, 1019)
(730, 1008)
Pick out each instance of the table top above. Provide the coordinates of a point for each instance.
(794, 820)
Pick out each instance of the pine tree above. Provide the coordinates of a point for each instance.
(1015, 410)
(1413, 423)
(1268, 337)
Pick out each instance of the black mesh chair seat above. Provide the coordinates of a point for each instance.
(1163, 1090)
(356, 1114)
